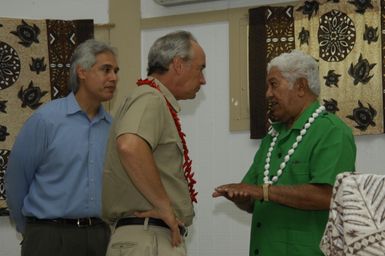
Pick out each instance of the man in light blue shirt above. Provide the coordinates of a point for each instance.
(54, 174)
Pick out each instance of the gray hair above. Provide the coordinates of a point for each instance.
(85, 57)
(295, 65)
(166, 48)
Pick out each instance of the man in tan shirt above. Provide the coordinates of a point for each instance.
(148, 189)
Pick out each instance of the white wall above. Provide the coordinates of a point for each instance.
(56, 9)
(218, 155)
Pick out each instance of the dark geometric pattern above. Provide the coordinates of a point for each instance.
(73, 33)
(336, 35)
(279, 31)
(9, 65)
(3, 166)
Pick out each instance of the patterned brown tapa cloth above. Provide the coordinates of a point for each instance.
(356, 225)
(345, 37)
(34, 68)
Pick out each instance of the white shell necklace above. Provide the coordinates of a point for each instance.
(275, 134)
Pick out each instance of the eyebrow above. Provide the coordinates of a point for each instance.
(116, 69)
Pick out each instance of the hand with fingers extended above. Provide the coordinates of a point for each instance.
(243, 195)
(168, 216)
(236, 191)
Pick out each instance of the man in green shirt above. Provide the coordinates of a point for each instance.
(289, 184)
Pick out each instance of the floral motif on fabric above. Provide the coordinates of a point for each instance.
(304, 36)
(370, 34)
(361, 5)
(3, 133)
(9, 65)
(309, 8)
(331, 78)
(336, 36)
(3, 106)
(27, 34)
(363, 116)
(331, 105)
(361, 71)
(37, 65)
(31, 96)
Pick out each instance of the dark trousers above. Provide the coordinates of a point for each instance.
(47, 239)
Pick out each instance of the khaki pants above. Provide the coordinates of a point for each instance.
(142, 240)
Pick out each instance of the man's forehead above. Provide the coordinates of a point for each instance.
(274, 73)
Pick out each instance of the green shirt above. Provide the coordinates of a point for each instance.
(328, 148)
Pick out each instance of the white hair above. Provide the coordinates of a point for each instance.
(295, 65)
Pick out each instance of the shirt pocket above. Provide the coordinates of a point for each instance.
(297, 173)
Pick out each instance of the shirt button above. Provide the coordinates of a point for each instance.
(259, 224)
(256, 251)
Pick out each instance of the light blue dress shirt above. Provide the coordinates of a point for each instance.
(56, 164)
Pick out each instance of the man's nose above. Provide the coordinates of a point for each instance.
(268, 92)
(203, 79)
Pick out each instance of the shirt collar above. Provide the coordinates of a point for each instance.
(73, 108)
(300, 122)
(167, 94)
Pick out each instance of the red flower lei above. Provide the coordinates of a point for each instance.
(188, 173)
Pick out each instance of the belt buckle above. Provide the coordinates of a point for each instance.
(80, 223)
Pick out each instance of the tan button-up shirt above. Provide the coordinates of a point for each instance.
(145, 113)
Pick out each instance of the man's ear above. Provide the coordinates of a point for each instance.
(81, 72)
(177, 64)
(302, 86)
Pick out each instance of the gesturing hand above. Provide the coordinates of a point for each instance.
(237, 192)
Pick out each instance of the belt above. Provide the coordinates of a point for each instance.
(151, 222)
(80, 223)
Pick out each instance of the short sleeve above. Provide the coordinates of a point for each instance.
(143, 116)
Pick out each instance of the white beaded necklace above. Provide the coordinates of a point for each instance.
(275, 134)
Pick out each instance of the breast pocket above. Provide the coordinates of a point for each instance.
(297, 173)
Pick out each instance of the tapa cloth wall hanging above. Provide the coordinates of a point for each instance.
(345, 37)
(34, 68)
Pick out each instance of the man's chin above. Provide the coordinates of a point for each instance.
(108, 97)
